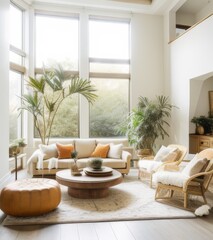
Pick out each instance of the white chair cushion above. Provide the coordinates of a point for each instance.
(170, 178)
(194, 166)
(149, 165)
(115, 151)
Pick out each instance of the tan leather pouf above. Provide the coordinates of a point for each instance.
(30, 197)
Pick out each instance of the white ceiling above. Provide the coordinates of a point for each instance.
(156, 7)
(194, 6)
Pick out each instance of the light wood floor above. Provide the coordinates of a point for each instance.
(175, 229)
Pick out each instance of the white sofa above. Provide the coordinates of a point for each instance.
(37, 164)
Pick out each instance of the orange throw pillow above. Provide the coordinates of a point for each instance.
(101, 151)
(64, 151)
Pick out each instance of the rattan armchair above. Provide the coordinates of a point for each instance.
(196, 184)
(145, 163)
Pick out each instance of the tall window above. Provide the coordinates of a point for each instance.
(17, 70)
(110, 72)
(57, 43)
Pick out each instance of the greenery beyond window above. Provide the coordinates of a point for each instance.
(110, 107)
(110, 73)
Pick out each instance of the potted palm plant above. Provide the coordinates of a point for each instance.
(147, 122)
(46, 95)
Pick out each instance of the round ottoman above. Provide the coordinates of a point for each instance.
(30, 197)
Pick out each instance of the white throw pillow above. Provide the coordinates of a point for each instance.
(115, 151)
(194, 166)
(48, 151)
(166, 154)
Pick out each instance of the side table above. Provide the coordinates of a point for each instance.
(15, 158)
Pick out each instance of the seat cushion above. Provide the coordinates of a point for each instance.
(149, 165)
(56, 163)
(114, 163)
(108, 162)
(170, 178)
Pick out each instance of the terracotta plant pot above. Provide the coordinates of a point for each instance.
(144, 152)
(200, 130)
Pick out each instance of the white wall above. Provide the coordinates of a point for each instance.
(4, 89)
(191, 59)
(147, 63)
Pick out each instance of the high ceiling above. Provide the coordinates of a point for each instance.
(194, 6)
(134, 1)
(142, 6)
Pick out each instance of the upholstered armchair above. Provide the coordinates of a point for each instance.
(173, 154)
(194, 179)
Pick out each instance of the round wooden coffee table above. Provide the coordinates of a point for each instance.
(88, 186)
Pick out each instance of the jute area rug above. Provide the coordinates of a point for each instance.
(130, 200)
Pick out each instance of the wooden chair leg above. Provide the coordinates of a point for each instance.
(156, 192)
(185, 199)
(139, 173)
(203, 195)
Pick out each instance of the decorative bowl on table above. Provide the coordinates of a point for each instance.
(95, 163)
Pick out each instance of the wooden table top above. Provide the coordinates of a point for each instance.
(65, 175)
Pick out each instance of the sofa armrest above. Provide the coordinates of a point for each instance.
(126, 156)
(36, 157)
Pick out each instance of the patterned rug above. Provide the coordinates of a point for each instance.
(130, 200)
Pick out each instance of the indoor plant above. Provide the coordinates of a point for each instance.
(204, 125)
(17, 146)
(46, 94)
(147, 122)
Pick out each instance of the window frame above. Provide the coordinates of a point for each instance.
(19, 68)
(72, 72)
(105, 75)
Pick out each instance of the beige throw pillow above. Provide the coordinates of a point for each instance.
(167, 154)
(194, 166)
(85, 147)
(48, 151)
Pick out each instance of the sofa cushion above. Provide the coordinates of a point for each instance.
(100, 151)
(113, 163)
(48, 151)
(64, 151)
(108, 162)
(55, 163)
(84, 147)
(115, 151)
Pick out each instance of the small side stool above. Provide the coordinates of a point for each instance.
(30, 197)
